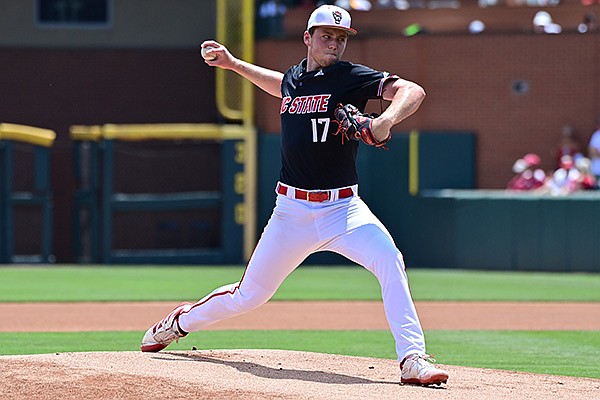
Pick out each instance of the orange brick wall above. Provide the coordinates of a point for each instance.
(468, 82)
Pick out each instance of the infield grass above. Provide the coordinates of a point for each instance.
(89, 283)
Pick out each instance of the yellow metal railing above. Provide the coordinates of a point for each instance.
(245, 153)
(39, 196)
(413, 163)
(235, 98)
(27, 134)
(235, 29)
(135, 132)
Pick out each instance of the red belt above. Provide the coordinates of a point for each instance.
(315, 196)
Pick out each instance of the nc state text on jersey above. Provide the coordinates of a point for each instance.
(305, 104)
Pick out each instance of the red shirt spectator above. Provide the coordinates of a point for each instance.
(528, 177)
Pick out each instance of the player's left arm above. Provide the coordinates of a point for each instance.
(405, 97)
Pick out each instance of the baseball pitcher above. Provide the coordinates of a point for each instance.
(318, 207)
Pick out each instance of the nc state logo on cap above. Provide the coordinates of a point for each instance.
(337, 17)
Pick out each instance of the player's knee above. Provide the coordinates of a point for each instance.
(253, 301)
(388, 266)
(252, 296)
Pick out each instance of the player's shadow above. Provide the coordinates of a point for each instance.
(281, 372)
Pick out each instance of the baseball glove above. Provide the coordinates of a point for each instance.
(355, 125)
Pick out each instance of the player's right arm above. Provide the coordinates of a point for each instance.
(266, 79)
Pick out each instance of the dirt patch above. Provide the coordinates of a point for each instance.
(276, 374)
(333, 315)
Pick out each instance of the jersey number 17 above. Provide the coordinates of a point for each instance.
(315, 129)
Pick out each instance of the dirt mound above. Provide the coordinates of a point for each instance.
(259, 374)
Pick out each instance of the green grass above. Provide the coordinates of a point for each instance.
(556, 353)
(573, 353)
(88, 283)
(502, 286)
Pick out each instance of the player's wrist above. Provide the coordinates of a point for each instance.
(381, 128)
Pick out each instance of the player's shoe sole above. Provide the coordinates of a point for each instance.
(418, 370)
(435, 380)
(165, 331)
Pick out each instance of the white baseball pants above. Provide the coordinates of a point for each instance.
(298, 228)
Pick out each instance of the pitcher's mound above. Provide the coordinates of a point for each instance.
(259, 374)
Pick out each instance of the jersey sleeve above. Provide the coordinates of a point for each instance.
(366, 82)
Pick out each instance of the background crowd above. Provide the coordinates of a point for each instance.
(576, 167)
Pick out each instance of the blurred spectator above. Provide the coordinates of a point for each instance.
(476, 26)
(588, 181)
(400, 4)
(565, 180)
(386, 4)
(359, 5)
(270, 18)
(569, 145)
(527, 177)
(589, 2)
(542, 23)
(588, 24)
(594, 151)
(305, 3)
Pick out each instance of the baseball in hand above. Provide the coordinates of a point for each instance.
(208, 57)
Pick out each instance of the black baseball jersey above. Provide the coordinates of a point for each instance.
(312, 157)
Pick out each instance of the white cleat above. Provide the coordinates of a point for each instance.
(417, 369)
(165, 331)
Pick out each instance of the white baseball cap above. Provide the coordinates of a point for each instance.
(331, 16)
